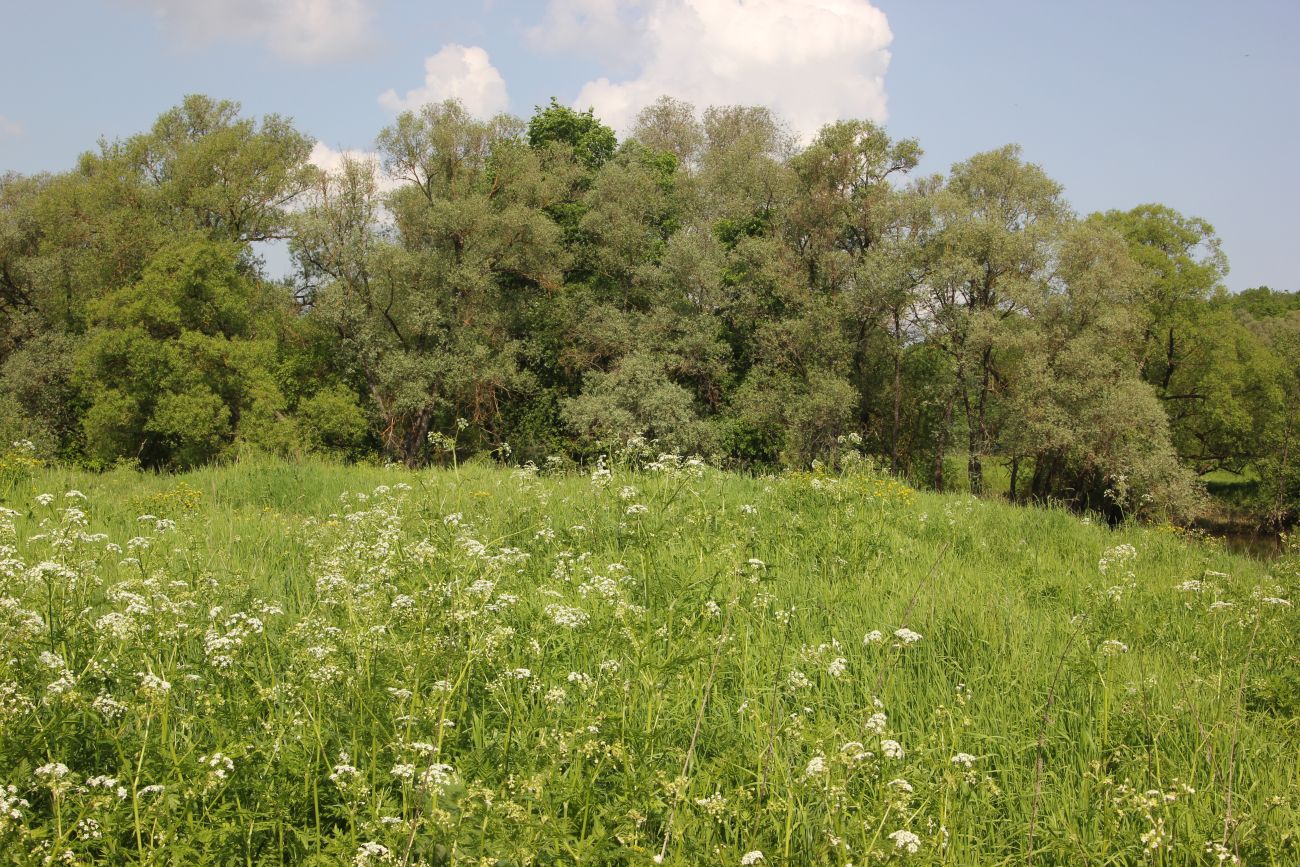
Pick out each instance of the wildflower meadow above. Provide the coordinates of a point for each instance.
(648, 662)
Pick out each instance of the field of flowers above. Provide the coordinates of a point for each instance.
(274, 663)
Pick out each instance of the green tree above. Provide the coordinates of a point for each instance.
(592, 142)
(173, 361)
(1222, 387)
(422, 306)
(1077, 410)
(999, 217)
(201, 174)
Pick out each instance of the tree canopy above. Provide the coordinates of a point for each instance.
(540, 288)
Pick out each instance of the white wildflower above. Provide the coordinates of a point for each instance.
(854, 751)
(437, 777)
(1111, 647)
(714, 805)
(219, 764)
(566, 616)
(906, 841)
(152, 684)
(1116, 557)
(600, 475)
(107, 706)
(372, 853)
(1221, 853)
(906, 635)
(1155, 837)
(343, 772)
(51, 771)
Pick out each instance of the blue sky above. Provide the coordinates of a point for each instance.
(1188, 103)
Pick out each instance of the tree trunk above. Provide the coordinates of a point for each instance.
(941, 449)
(417, 432)
(1169, 364)
(1045, 470)
(974, 471)
(898, 396)
(1038, 482)
(979, 427)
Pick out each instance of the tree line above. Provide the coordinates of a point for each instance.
(540, 288)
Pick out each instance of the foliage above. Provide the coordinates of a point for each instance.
(171, 362)
(592, 142)
(636, 398)
(709, 281)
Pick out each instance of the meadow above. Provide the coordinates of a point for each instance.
(648, 662)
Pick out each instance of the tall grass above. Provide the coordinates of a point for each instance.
(274, 663)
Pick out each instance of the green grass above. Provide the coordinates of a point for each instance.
(1233, 489)
(488, 667)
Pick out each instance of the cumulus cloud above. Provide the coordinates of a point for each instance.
(10, 128)
(302, 30)
(328, 159)
(455, 72)
(812, 61)
(599, 27)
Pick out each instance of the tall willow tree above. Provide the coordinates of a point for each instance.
(708, 282)
(1000, 217)
(1077, 412)
(846, 219)
(202, 178)
(418, 294)
(1223, 388)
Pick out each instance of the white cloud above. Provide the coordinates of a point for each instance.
(455, 72)
(303, 30)
(812, 61)
(10, 128)
(330, 160)
(598, 27)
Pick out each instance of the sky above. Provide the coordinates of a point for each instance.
(1192, 104)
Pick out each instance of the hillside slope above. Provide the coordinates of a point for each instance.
(309, 663)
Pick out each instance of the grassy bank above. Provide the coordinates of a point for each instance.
(307, 663)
